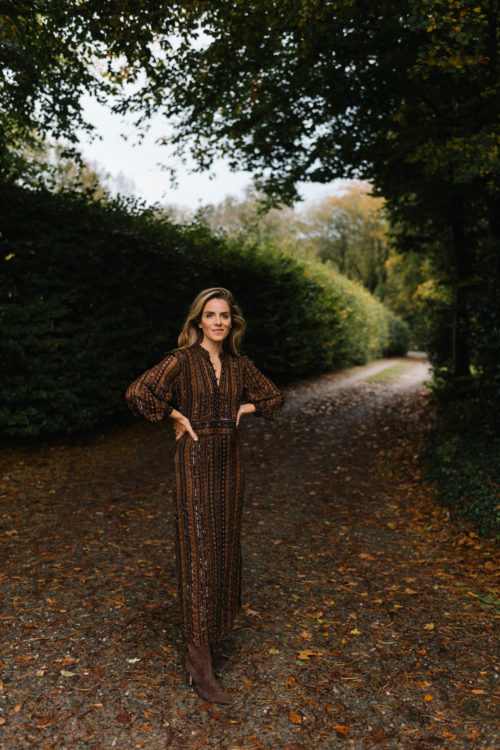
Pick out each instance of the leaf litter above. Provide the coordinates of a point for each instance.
(373, 623)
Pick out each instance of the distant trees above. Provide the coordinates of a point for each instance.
(350, 231)
(55, 167)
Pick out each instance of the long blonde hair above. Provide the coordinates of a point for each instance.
(192, 334)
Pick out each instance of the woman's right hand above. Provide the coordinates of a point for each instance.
(182, 425)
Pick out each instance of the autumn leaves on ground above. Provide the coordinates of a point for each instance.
(369, 619)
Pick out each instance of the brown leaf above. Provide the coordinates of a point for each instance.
(124, 717)
(378, 735)
(307, 653)
(253, 613)
(295, 717)
(341, 729)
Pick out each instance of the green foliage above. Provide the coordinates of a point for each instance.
(399, 336)
(348, 231)
(462, 454)
(93, 293)
(466, 471)
(404, 94)
(47, 62)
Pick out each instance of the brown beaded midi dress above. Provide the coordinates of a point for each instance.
(209, 476)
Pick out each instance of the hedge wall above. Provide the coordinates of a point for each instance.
(93, 293)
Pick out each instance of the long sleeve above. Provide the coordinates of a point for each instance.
(151, 395)
(261, 392)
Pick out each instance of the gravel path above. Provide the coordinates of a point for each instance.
(368, 620)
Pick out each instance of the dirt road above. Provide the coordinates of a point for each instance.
(367, 622)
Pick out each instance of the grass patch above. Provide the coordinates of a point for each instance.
(390, 373)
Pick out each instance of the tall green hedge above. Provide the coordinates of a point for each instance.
(93, 293)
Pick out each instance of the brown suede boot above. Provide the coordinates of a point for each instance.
(199, 666)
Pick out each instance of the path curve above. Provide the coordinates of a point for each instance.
(366, 621)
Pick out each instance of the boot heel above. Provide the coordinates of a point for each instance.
(198, 661)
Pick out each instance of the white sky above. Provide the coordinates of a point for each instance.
(140, 163)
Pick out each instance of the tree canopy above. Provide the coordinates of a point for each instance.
(404, 94)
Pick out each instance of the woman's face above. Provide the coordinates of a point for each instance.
(215, 320)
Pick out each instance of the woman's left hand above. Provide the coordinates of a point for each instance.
(244, 409)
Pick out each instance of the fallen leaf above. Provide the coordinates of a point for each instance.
(253, 613)
(341, 729)
(410, 591)
(295, 717)
(65, 673)
(133, 661)
(308, 653)
(428, 697)
(478, 692)
(124, 717)
(355, 631)
(429, 626)
(305, 635)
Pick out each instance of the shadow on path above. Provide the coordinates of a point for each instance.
(362, 624)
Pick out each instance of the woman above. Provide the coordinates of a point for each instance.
(205, 386)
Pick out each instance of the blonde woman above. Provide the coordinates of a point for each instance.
(206, 387)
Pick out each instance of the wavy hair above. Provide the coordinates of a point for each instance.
(192, 334)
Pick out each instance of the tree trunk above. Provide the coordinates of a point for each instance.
(494, 217)
(463, 275)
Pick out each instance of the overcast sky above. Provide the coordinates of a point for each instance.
(140, 163)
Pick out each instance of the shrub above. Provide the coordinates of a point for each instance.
(93, 293)
(399, 337)
(466, 471)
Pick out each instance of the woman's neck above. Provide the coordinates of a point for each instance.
(212, 347)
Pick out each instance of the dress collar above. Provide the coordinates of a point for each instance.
(206, 353)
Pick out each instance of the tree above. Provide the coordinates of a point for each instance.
(249, 219)
(350, 230)
(45, 67)
(405, 94)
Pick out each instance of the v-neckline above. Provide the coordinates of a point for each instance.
(206, 354)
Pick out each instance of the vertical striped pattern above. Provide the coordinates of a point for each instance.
(209, 477)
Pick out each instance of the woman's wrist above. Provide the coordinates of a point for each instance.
(174, 414)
